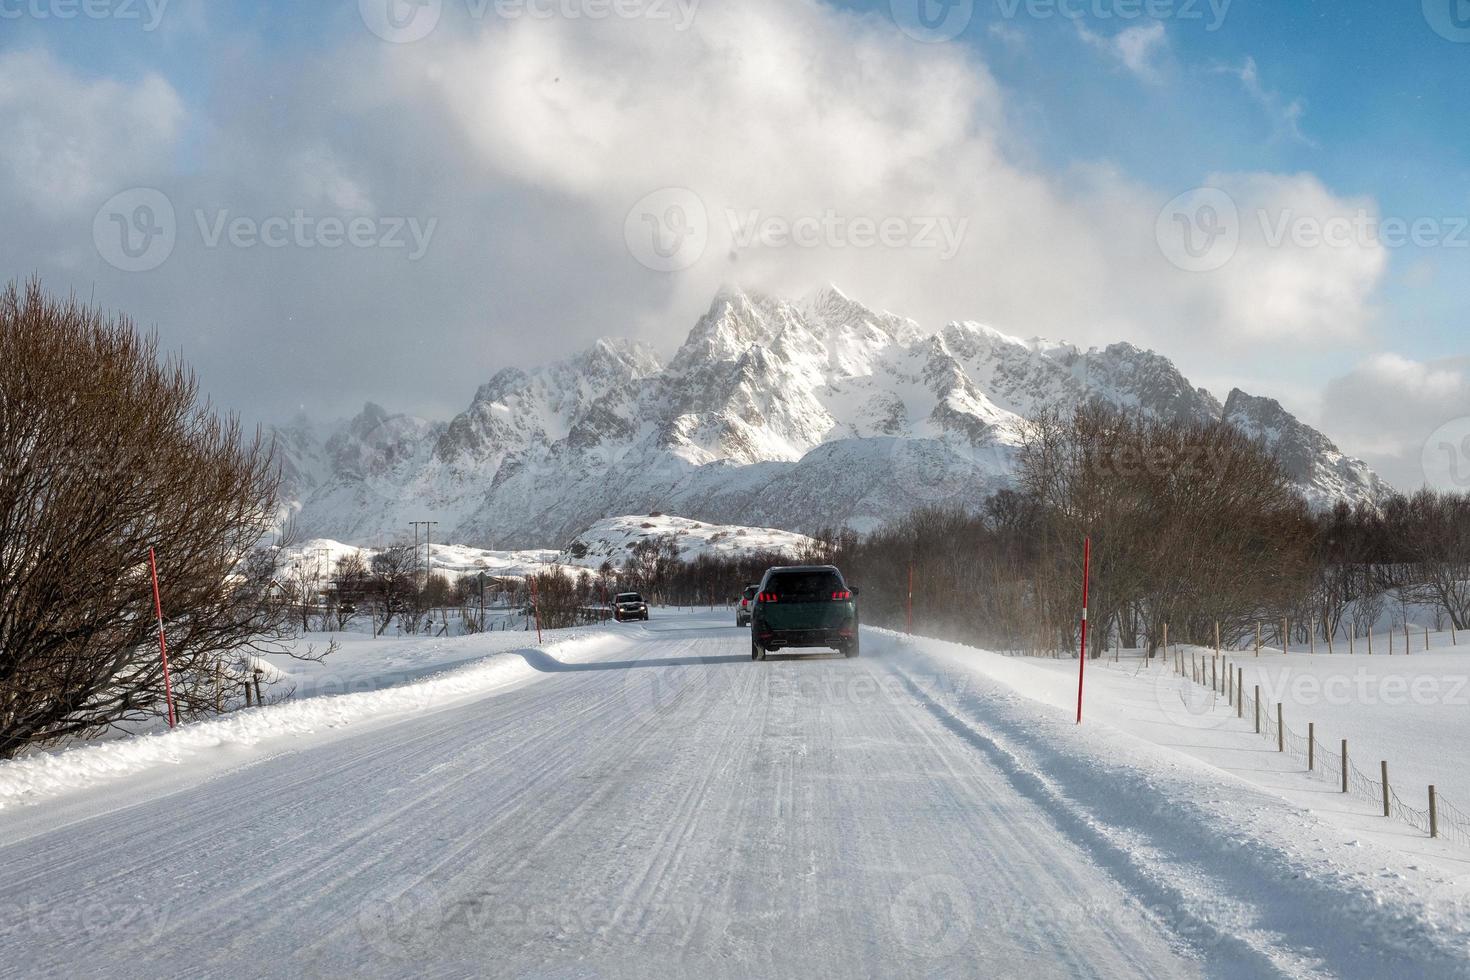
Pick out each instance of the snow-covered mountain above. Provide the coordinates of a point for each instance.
(796, 415)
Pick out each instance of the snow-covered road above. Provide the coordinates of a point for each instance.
(657, 806)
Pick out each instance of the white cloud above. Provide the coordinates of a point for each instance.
(792, 109)
(1285, 114)
(531, 140)
(1137, 49)
(1390, 407)
(69, 142)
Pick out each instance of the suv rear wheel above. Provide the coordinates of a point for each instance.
(757, 652)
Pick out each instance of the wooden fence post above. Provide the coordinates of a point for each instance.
(1280, 729)
(1370, 639)
(1352, 638)
(1258, 709)
(1433, 813)
(1311, 746)
(1240, 692)
(258, 700)
(1384, 766)
(1344, 766)
(1426, 638)
(1258, 637)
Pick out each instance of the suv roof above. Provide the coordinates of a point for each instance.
(801, 568)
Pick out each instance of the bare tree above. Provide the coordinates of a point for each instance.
(107, 451)
(394, 574)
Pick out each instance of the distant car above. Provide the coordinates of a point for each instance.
(629, 605)
(804, 606)
(742, 612)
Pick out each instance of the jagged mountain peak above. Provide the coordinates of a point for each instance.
(796, 414)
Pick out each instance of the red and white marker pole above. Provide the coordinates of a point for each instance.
(168, 686)
(1082, 661)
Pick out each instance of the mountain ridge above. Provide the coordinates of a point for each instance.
(789, 414)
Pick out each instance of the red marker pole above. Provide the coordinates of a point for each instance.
(168, 686)
(1082, 661)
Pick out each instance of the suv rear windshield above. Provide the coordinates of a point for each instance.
(804, 585)
(628, 597)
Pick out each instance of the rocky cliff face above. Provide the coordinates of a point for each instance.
(1323, 472)
(786, 414)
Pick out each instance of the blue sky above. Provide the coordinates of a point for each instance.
(1058, 139)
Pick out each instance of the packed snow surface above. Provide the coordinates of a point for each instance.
(643, 800)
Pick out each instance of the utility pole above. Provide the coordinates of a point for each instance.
(482, 602)
(428, 527)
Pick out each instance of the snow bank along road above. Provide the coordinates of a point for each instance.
(652, 803)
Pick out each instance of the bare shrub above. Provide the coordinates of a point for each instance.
(106, 451)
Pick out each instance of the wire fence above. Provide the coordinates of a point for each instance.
(1324, 760)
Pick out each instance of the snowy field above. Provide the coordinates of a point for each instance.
(611, 539)
(320, 556)
(643, 800)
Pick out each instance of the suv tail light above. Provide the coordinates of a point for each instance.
(841, 595)
(767, 597)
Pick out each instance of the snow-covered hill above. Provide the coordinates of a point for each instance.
(797, 415)
(615, 538)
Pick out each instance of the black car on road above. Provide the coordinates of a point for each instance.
(629, 605)
(804, 606)
(747, 599)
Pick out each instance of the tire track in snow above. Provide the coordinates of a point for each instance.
(1232, 906)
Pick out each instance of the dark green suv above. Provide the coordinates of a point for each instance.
(804, 606)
